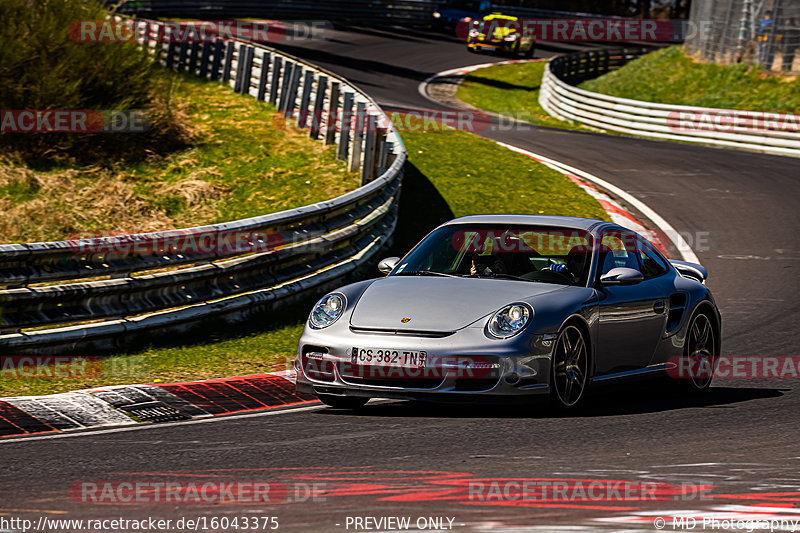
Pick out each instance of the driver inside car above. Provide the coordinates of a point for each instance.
(486, 265)
(575, 264)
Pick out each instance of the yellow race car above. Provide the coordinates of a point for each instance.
(501, 33)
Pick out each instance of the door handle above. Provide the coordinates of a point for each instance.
(659, 307)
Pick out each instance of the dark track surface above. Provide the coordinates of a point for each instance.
(743, 438)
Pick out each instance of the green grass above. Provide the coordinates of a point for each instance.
(250, 354)
(243, 160)
(669, 76)
(510, 90)
(441, 182)
(493, 179)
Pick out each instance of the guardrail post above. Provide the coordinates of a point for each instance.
(370, 144)
(291, 98)
(288, 74)
(248, 70)
(230, 47)
(216, 61)
(181, 55)
(158, 50)
(193, 56)
(331, 120)
(276, 79)
(316, 113)
(345, 125)
(240, 62)
(183, 60)
(358, 137)
(383, 157)
(241, 67)
(170, 54)
(305, 100)
(204, 56)
(262, 78)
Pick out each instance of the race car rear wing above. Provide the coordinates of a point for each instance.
(690, 270)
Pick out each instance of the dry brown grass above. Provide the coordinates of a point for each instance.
(233, 158)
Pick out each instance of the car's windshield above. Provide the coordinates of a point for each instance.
(527, 253)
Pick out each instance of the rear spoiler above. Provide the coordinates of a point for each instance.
(690, 270)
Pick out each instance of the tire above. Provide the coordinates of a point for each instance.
(701, 347)
(517, 45)
(343, 402)
(569, 371)
(529, 51)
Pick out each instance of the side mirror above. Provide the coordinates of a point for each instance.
(621, 276)
(388, 264)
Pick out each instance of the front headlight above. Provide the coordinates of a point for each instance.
(436, 14)
(327, 311)
(510, 320)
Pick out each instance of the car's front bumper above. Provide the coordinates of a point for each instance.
(464, 363)
(493, 46)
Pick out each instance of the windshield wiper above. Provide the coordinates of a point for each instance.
(427, 273)
(501, 276)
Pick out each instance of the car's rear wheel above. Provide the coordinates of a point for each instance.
(343, 402)
(569, 375)
(701, 349)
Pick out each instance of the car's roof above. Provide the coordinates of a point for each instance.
(586, 224)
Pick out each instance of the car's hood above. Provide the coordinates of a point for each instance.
(437, 303)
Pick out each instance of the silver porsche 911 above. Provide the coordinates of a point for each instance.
(502, 306)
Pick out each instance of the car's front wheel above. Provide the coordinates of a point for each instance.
(516, 48)
(569, 374)
(701, 349)
(343, 402)
(529, 51)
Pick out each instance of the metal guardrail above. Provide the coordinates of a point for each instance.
(773, 133)
(113, 290)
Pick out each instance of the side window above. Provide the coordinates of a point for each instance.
(653, 265)
(617, 249)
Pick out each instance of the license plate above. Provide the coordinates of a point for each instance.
(389, 357)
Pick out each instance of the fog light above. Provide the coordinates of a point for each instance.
(512, 378)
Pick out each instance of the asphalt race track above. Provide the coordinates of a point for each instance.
(735, 452)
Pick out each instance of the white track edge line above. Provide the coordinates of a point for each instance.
(422, 88)
(680, 244)
(672, 234)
